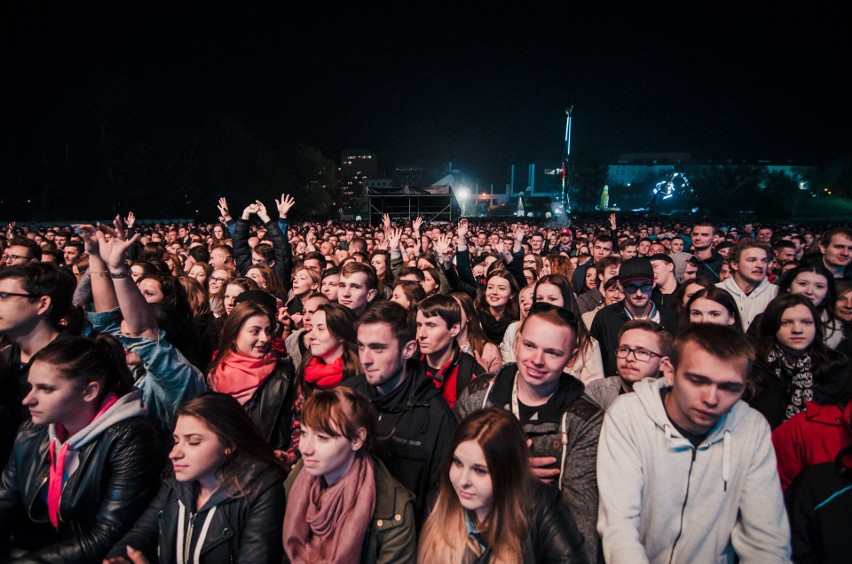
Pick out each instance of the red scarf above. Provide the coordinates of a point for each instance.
(323, 375)
(57, 464)
(240, 375)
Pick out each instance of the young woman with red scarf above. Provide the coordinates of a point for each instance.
(331, 358)
(255, 373)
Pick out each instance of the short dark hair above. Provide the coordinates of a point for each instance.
(442, 306)
(744, 244)
(411, 271)
(33, 248)
(844, 230)
(354, 267)
(45, 279)
(400, 319)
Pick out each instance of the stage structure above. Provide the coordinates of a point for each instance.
(438, 202)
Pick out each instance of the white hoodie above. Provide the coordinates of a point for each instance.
(662, 500)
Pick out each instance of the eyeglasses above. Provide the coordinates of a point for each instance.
(566, 314)
(639, 354)
(218, 279)
(6, 295)
(7, 257)
(632, 288)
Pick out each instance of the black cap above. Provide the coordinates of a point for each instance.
(638, 268)
(661, 256)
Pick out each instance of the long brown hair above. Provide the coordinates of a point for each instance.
(340, 321)
(444, 537)
(475, 334)
(231, 329)
(244, 445)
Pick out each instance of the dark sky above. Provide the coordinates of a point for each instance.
(483, 85)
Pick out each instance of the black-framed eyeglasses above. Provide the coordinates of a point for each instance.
(6, 295)
(566, 314)
(7, 258)
(633, 288)
(641, 355)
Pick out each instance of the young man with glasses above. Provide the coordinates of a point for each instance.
(33, 298)
(21, 251)
(686, 470)
(643, 350)
(636, 277)
(562, 425)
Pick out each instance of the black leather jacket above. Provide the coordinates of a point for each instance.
(553, 535)
(117, 476)
(271, 406)
(243, 528)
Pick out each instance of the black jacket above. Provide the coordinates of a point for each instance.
(280, 246)
(553, 535)
(270, 408)
(243, 528)
(414, 429)
(117, 476)
(608, 322)
(819, 505)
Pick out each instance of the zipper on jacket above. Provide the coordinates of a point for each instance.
(685, 499)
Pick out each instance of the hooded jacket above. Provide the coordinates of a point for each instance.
(110, 475)
(567, 429)
(753, 304)
(413, 432)
(228, 528)
(664, 500)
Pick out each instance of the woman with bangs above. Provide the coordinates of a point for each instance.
(472, 339)
(496, 306)
(794, 366)
(342, 503)
(489, 509)
(331, 358)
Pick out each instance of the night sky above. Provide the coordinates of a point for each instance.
(483, 86)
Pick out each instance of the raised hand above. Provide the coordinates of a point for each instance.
(261, 211)
(442, 244)
(250, 209)
(223, 210)
(394, 235)
(90, 240)
(518, 234)
(462, 228)
(612, 221)
(130, 219)
(415, 225)
(113, 250)
(386, 221)
(284, 204)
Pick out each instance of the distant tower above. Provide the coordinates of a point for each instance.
(565, 200)
(605, 198)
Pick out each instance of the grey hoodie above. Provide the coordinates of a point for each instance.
(663, 500)
(127, 406)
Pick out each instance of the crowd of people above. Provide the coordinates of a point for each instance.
(258, 390)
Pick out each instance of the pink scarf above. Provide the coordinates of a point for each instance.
(323, 375)
(240, 375)
(327, 524)
(57, 464)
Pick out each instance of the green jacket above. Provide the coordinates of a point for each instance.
(391, 535)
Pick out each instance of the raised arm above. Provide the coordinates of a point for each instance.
(139, 318)
(103, 292)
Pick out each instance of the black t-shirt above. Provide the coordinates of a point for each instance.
(695, 439)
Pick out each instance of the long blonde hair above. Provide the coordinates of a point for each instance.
(444, 537)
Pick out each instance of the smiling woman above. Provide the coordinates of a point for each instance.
(489, 509)
(249, 369)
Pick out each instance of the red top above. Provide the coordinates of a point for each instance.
(811, 437)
